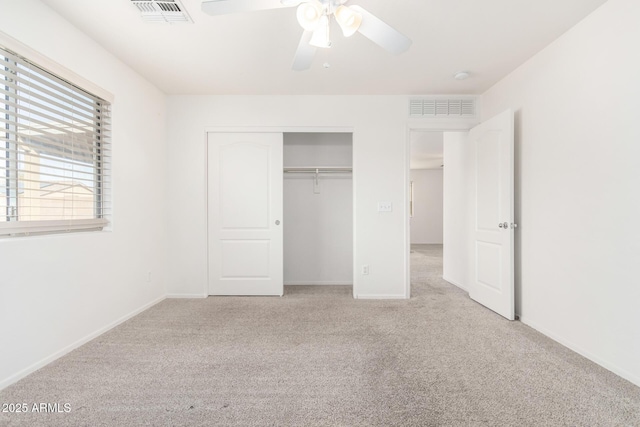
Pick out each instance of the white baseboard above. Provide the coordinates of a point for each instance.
(374, 296)
(453, 282)
(567, 343)
(317, 283)
(186, 296)
(30, 369)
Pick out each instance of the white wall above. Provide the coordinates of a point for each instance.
(426, 223)
(457, 200)
(318, 149)
(56, 291)
(379, 161)
(577, 180)
(318, 226)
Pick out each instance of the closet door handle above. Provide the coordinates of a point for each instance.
(277, 222)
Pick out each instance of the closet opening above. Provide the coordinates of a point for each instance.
(318, 213)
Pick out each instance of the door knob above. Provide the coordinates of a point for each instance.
(504, 225)
(500, 225)
(277, 222)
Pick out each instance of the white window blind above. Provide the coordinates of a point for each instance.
(54, 152)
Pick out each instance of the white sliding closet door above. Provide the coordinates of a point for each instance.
(245, 213)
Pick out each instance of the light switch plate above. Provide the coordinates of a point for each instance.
(385, 206)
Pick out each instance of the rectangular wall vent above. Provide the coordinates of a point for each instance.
(443, 107)
(169, 11)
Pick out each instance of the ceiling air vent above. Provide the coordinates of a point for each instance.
(442, 107)
(171, 11)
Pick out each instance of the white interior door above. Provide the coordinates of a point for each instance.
(492, 281)
(245, 213)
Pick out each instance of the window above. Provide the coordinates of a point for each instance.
(54, 152)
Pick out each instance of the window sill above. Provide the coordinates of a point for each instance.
(28, 228)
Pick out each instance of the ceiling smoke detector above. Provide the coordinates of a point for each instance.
(163, 11)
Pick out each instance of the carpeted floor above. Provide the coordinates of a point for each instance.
(317, 357)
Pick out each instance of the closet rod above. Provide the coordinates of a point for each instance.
(328, 169)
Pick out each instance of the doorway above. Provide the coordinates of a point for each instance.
(478, 211)
(426, 199)
(438, 191)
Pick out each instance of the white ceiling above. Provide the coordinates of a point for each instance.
(427, 150)
(251, 53)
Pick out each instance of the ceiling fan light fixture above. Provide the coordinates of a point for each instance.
(348, 19)
(320, 37)
(309, 15)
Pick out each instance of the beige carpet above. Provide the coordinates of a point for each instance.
(316, 357)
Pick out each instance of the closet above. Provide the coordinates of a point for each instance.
(318, 208)
(279, 211)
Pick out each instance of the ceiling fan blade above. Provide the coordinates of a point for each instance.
(382, 33)
(305, 53)
(224, 7)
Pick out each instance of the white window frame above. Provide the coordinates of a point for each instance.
(23, 228)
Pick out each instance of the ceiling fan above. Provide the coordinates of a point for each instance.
(315, 18)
